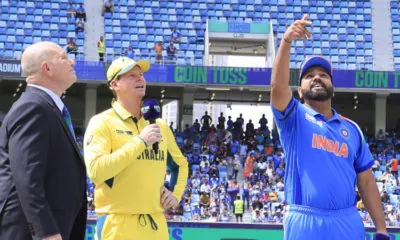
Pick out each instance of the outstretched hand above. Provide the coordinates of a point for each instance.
(298, 30)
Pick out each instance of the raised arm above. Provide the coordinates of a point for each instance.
(280, 90)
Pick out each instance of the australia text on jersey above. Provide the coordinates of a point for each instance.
(326, 144)
(151, 155)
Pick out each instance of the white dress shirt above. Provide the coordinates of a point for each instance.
(53, 95)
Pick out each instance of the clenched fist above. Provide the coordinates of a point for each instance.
(168, 200)
(298, 30)
(151, 134)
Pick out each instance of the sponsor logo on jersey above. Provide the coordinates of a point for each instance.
(123, 132)
(313, 120)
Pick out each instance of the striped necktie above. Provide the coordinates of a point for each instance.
(67, 118)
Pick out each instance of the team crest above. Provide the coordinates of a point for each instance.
(344, 132)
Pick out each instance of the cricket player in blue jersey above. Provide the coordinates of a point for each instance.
(326, 155)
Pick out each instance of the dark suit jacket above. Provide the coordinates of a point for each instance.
(42, 173)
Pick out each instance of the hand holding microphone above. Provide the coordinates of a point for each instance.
(151, 133)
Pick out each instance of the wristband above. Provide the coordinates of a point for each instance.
(287, 41)
(143, 141)
(381, 236)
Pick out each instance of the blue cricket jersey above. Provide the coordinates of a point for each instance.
(323, 157)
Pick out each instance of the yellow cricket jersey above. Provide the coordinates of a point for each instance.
(128, 176)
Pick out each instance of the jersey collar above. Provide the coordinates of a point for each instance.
(120, 110)
(335, 117)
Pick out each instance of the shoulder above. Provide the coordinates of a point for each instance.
(100, 119)
(352, 125)
(27, 112)
(106, 114)
(28, 105)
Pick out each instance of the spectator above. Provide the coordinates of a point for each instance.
(236, 166)
(256, 216)
(205, 187)
(238, 209)
(394, 165)
(205, 121)
(274, 178)
(237, 130)
(233, 190)
(72, 47)
(158, 49)
(188, 146)
(257, 204)
(71, 11)
(248, 169)
(196, 212)
(171, 52)
(204, 201)
(81, 13)
(249, 129)
(108, 7)
(229, 123)
(263, 123)
(385, 197)
(204, 162)
(376, 166)
(175, 36)
(227, 140)
(273, 196)
(187, 211)
(241, 120)
(196, 125)
(261, 166)
(381, 136)
(101, 49)
(130, 53)
(224, 217)
(215, 217)
(221, 122)
(80, 26)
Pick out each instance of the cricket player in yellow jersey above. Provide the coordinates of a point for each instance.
(129, 176)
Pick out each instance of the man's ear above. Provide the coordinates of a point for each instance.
(112, 85)
(299, 92)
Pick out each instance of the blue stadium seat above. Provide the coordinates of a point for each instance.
(333, 21)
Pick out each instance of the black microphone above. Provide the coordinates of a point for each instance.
(151, 111)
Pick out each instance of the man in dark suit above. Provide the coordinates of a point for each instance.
(42, 173)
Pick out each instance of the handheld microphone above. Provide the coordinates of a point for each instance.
(150, 112)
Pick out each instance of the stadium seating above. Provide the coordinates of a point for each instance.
(341, 29)
(25, 22)
(395, 10)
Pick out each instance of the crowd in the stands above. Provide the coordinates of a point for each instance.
(236, 159)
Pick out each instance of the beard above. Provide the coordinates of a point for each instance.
(321, 95)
